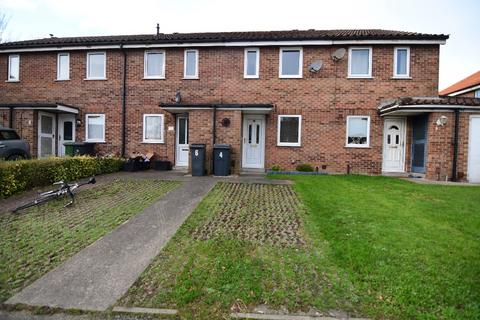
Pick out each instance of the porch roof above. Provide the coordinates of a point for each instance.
(262, 108)
(418, 105)
(55, 107)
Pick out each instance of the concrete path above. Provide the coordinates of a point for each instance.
(96, 277)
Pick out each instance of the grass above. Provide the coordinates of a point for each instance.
(40, 238)
(373, 246)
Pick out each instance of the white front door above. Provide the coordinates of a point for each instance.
(394, 145)
(253, 141)
(182, 148)
(46, 134)
(66, 131)
(474, 150)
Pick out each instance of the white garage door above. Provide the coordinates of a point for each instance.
(474, 150)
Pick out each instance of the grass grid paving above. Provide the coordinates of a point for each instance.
(37, 239)
(255, 212)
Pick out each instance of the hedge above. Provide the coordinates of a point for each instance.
(16, 176)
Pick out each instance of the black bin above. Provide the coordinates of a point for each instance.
(80, 148)
(197, 152)
(221, 159)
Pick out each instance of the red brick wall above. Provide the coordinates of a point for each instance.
(324, 99)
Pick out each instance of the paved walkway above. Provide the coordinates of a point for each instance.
(96, 277)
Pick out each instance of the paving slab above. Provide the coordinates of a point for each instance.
(96, 277)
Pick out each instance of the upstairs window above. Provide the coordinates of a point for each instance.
(13, 67)
(191, 64)
(360, 63)
(153, 128)
(95, 127)
(289, 130)
(358, 131)
(63, 66)
(252, 59)
(154, 64)
(96, 66)
(291, 60)
(477, 94)
(401, 63)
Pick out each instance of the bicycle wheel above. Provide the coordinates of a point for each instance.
(38, 201)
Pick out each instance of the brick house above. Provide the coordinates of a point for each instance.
(331, 98)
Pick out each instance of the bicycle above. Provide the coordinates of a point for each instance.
(64, 189)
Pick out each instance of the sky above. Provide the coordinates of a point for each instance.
(460, 57)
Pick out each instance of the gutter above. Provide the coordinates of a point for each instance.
(124, 100)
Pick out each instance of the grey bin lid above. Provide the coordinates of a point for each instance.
(197, 146)
(221, 146)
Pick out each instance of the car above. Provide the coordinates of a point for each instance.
(12, 147)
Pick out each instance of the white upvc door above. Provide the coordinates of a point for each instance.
(253, 154)
(394, 145)
(474, 150)
(66, 131)
(46, 134)
(182, 147)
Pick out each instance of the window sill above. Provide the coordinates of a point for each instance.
(360, 77)
(60, 80)
(95, 141)
(357, 146)
(251, 77)
(12, 80)
(290, 77)
(401, 78)
(95, 79)
(153, 78)
(190, 78)
(288, 145)
(153, 142)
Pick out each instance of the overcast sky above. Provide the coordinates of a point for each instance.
(459, 58)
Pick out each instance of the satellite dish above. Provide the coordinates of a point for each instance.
(339, 54)
(315, 66)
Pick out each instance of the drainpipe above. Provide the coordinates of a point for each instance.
(455, 145)
(10, 118)
(214, 132)
(124, 100)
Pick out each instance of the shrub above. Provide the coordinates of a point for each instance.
(305, 167)
(16, 176)
(276, 167)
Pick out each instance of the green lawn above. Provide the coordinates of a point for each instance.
(372, 246)
(38, 239)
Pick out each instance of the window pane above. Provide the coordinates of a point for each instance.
(154, 64)
(153, 128)
(8, 135)
(357, 130)
(477, 94)
(14, 68)
(95, 127)
(401, 61)
(290, 62)
(46, 125)
(68, 130)
(182, 131)
(289, 129)
(251, 63)
(360, 61)
(96, 68)
(63, 67)
(191, 64)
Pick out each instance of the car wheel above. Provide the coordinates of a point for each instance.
(15, 157)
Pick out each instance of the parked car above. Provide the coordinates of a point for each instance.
(12, 147)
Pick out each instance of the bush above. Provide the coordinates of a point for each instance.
(305, 167)
(276, 167)
(16, 176)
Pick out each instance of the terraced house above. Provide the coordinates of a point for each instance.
(361, 101)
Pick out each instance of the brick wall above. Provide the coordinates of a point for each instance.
(324, 99)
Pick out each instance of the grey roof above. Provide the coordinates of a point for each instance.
(165, 38)
(430, 103)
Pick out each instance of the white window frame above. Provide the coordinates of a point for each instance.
(257, 63)
(185, 76)
(477, 93)
(370, 60)
(351, 145)
(300, 62)
(104, 65)
(162, 139)
(289, 144)
(145, 64)
(58, 66)
(10, 68)
(395, 61)
(102, 115)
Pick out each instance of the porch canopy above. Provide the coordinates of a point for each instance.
(256, 108)
(409, 106)
(55, 107)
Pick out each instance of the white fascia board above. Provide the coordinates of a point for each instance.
(456, 93)
(231, 44)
